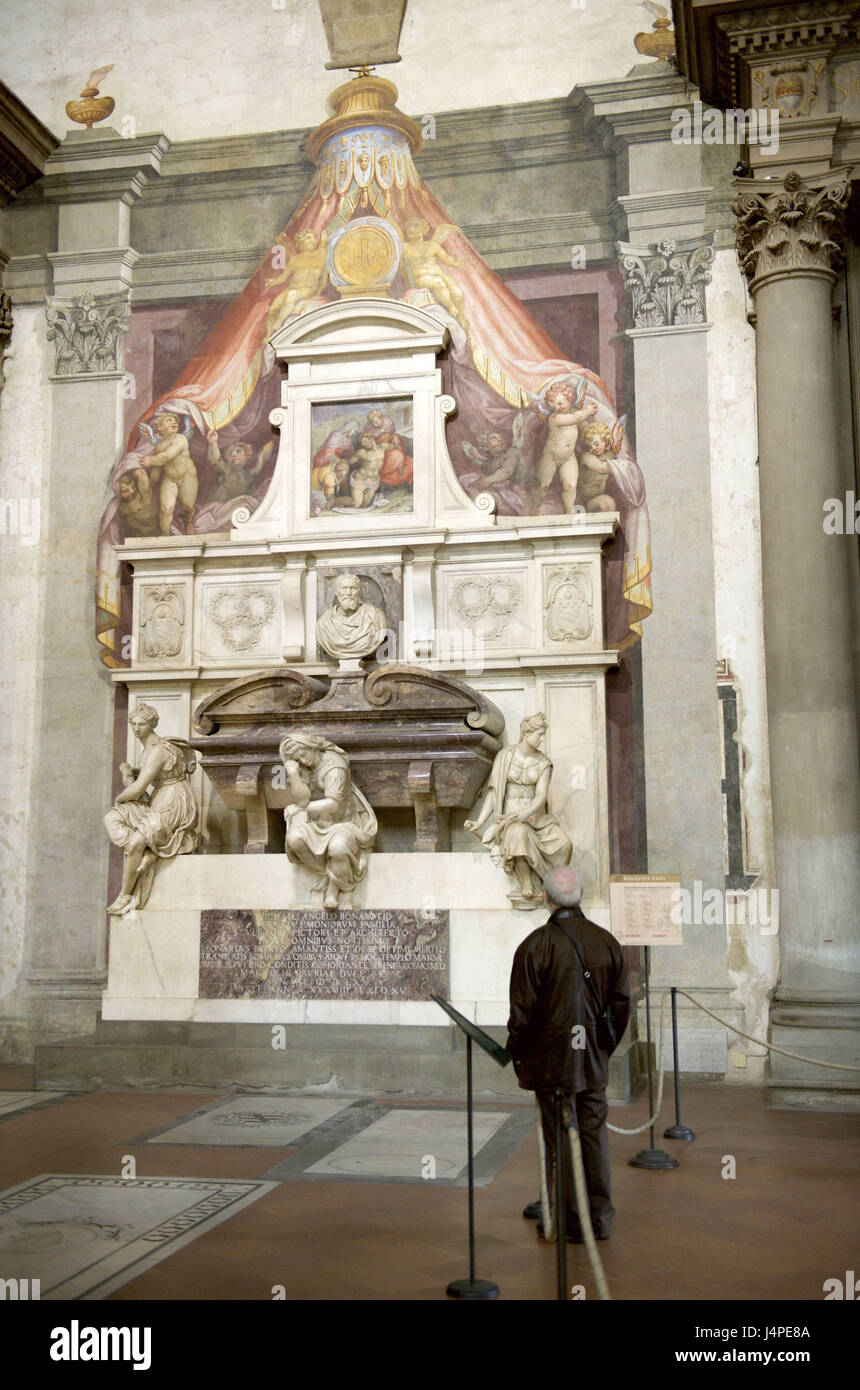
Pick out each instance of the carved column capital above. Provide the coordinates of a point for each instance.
(5, 329)
(666, 281)
(87, 334)
(791, 226)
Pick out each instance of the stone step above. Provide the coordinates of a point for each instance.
(368, 1059)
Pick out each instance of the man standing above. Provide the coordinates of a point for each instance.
(554, 1040)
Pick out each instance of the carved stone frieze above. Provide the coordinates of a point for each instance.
(240, 612)
(797, 227)
(666, 282)
(162, 624)
(87, 334)
(568, 604)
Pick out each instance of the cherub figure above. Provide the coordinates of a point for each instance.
(423, 262)
(305, 270)
(172, 459)
(233, 469)
(568, 410)
(138, 504)
(364, 480)
(501, 467)
(597, 443)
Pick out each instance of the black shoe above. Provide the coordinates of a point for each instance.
(532, 1211)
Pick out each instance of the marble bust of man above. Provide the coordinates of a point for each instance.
(350, 629)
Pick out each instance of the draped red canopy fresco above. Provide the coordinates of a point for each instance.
(499, 365)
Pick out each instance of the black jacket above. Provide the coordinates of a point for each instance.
(550, 996)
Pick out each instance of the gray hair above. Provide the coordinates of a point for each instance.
(562, 887)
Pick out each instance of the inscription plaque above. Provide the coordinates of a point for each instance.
(302, 953)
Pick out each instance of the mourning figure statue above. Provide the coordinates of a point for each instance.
(155, 816)
(526, 837)
(330, 824)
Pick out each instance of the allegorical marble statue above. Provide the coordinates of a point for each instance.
(528, 839)
(330, 825)
(350, 629)
(160, 825)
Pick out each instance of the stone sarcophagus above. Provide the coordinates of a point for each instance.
(416, 739)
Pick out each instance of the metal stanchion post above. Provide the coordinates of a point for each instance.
(471, 1288)
(653, 1157)
(677, 1130)
(560, 1199)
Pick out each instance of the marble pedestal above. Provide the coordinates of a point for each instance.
(157, 1032)
(154, 958)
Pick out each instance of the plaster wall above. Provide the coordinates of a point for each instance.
(213, 70)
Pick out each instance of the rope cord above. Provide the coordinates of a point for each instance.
(770, 1047)
(581, 1202)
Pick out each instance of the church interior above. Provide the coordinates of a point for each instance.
(429, 446)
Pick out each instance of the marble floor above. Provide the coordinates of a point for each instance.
(333, 1208)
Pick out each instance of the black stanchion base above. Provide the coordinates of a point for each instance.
(472, 1288)
(652, 1158)
(679, 1132)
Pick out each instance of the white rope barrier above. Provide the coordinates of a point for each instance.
(582, 1208)
(770, 1047)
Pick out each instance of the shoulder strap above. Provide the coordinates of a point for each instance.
(586, 973)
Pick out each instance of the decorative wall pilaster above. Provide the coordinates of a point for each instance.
(668, 328)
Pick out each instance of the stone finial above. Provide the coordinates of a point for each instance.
(799, 226)
(87, 334)
(667, 281)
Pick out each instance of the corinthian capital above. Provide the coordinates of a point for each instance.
(667, 281)
(87, 334)
(797, 227)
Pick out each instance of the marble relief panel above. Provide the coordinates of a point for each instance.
(575, 743)
(571, 609)
(239, 619)
(164, 623)
(491, 606)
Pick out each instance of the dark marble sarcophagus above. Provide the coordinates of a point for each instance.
(415, 739)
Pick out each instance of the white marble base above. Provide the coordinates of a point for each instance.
(154, 957)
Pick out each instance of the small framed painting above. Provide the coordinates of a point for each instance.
(361, 456)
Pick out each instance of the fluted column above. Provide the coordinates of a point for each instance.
(790, 245)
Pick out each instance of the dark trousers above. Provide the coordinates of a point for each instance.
(585, 1111)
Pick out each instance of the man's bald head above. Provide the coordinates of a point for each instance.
(562, 888)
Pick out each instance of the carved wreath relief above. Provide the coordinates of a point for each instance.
(240, 613)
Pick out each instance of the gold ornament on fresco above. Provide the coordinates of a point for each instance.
(91, 108)
(364, 257)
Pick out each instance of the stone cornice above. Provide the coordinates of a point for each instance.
(716, 40)
(794, 229)
(97, 167)
(25, 144)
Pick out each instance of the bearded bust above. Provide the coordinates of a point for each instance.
(350, 628)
